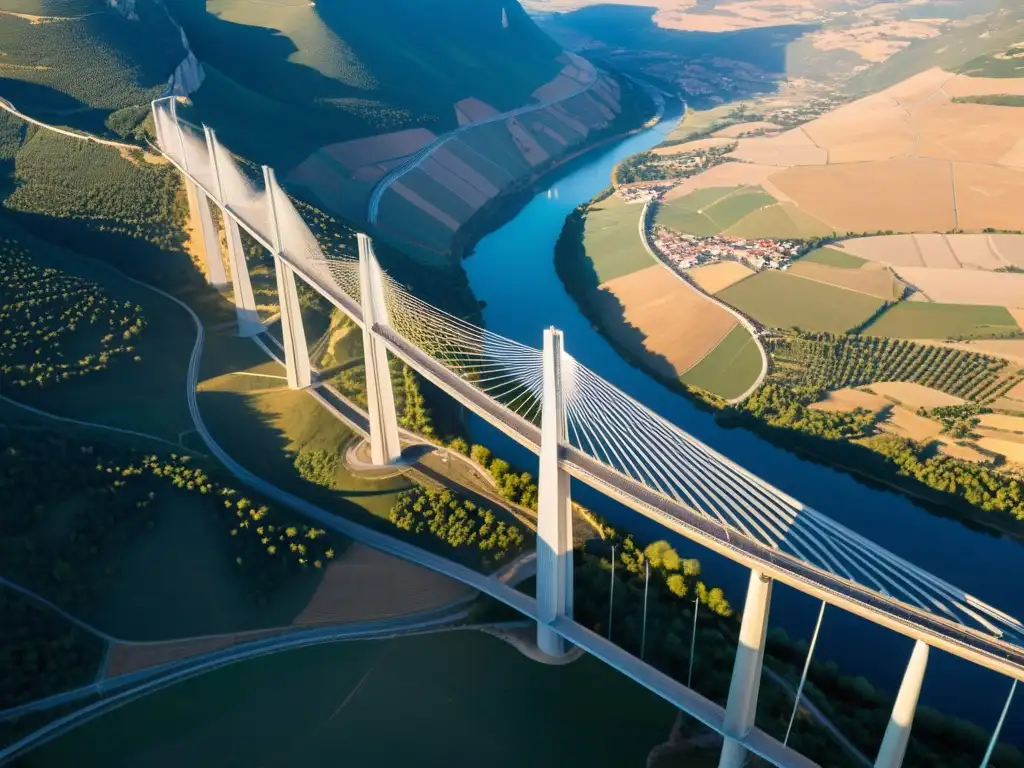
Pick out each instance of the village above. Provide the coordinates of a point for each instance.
(684, 251)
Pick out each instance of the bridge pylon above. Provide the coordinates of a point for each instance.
(385, 446)
(246, 315)
(897, 732)
(741, 707)
(199, 210)
(296, 352)
(554, 506)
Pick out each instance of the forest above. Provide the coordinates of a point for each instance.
(41, 653)
(458, 522)
(58, 326)
(676, 594)
(106, 494)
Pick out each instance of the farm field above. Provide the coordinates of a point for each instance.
(781, 300)
(1011, 450)
(730, 368)
(728, 210)
(868, 196)
(1003, 422)
(922, 320)
(781, 221)
(713, 278)
(612, 239)
(326, 704)
(697, 121)
(975, 287)
(877, 282)
(914, 396)
(668, 324)
(710, 210)
(833, 257)
(849, 399)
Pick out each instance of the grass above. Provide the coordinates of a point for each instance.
(147, 396)
(179, 580)
(781, 300)
(833, 257)
(730, 368)
(265, 431)
(322, 705)
(684, 220)
(995, 100)
(781, 221)
(732, 208)
(696, 122)
(923, 320)
(612, 239)
(700, 199)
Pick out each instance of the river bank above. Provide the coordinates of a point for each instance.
(574, 269)
(512, 271)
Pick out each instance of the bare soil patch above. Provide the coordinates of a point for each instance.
(967, 286)
(914, 396)
(988, 196)
(908, 424)
(716, 277)
(936, 252)
(1002, 422)
(794, 147)
(1008, 449)
(974, 251)
(847, 399)
(897, 250)
(677, 325)
(864, 197)
(1009, 248)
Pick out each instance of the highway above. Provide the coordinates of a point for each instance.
(938, 632)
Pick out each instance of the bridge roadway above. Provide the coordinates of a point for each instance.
(986, 651)
(956, 639)
(938, 632)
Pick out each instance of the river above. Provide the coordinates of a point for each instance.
(512, 271)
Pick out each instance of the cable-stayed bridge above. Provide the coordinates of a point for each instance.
(583, 427)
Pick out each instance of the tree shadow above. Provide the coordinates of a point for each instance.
(602, 307)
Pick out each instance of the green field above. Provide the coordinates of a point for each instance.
(924, 320)
(612, 239)
(1010, 64)
(833, 257)
(730, 368)
(709, 211)
(781, 221)
(698, 122)
(995, 100)
(781, 300)
(456, 699)
(732, 208)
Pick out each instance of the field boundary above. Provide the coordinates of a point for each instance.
(739, 317)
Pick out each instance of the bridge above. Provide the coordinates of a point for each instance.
(583, 427)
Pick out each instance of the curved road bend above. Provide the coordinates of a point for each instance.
(704, 710)
(743, 320)
(177, 672)
(425, 152)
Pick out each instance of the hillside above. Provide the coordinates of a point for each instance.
(338, 71)
(77, 61)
